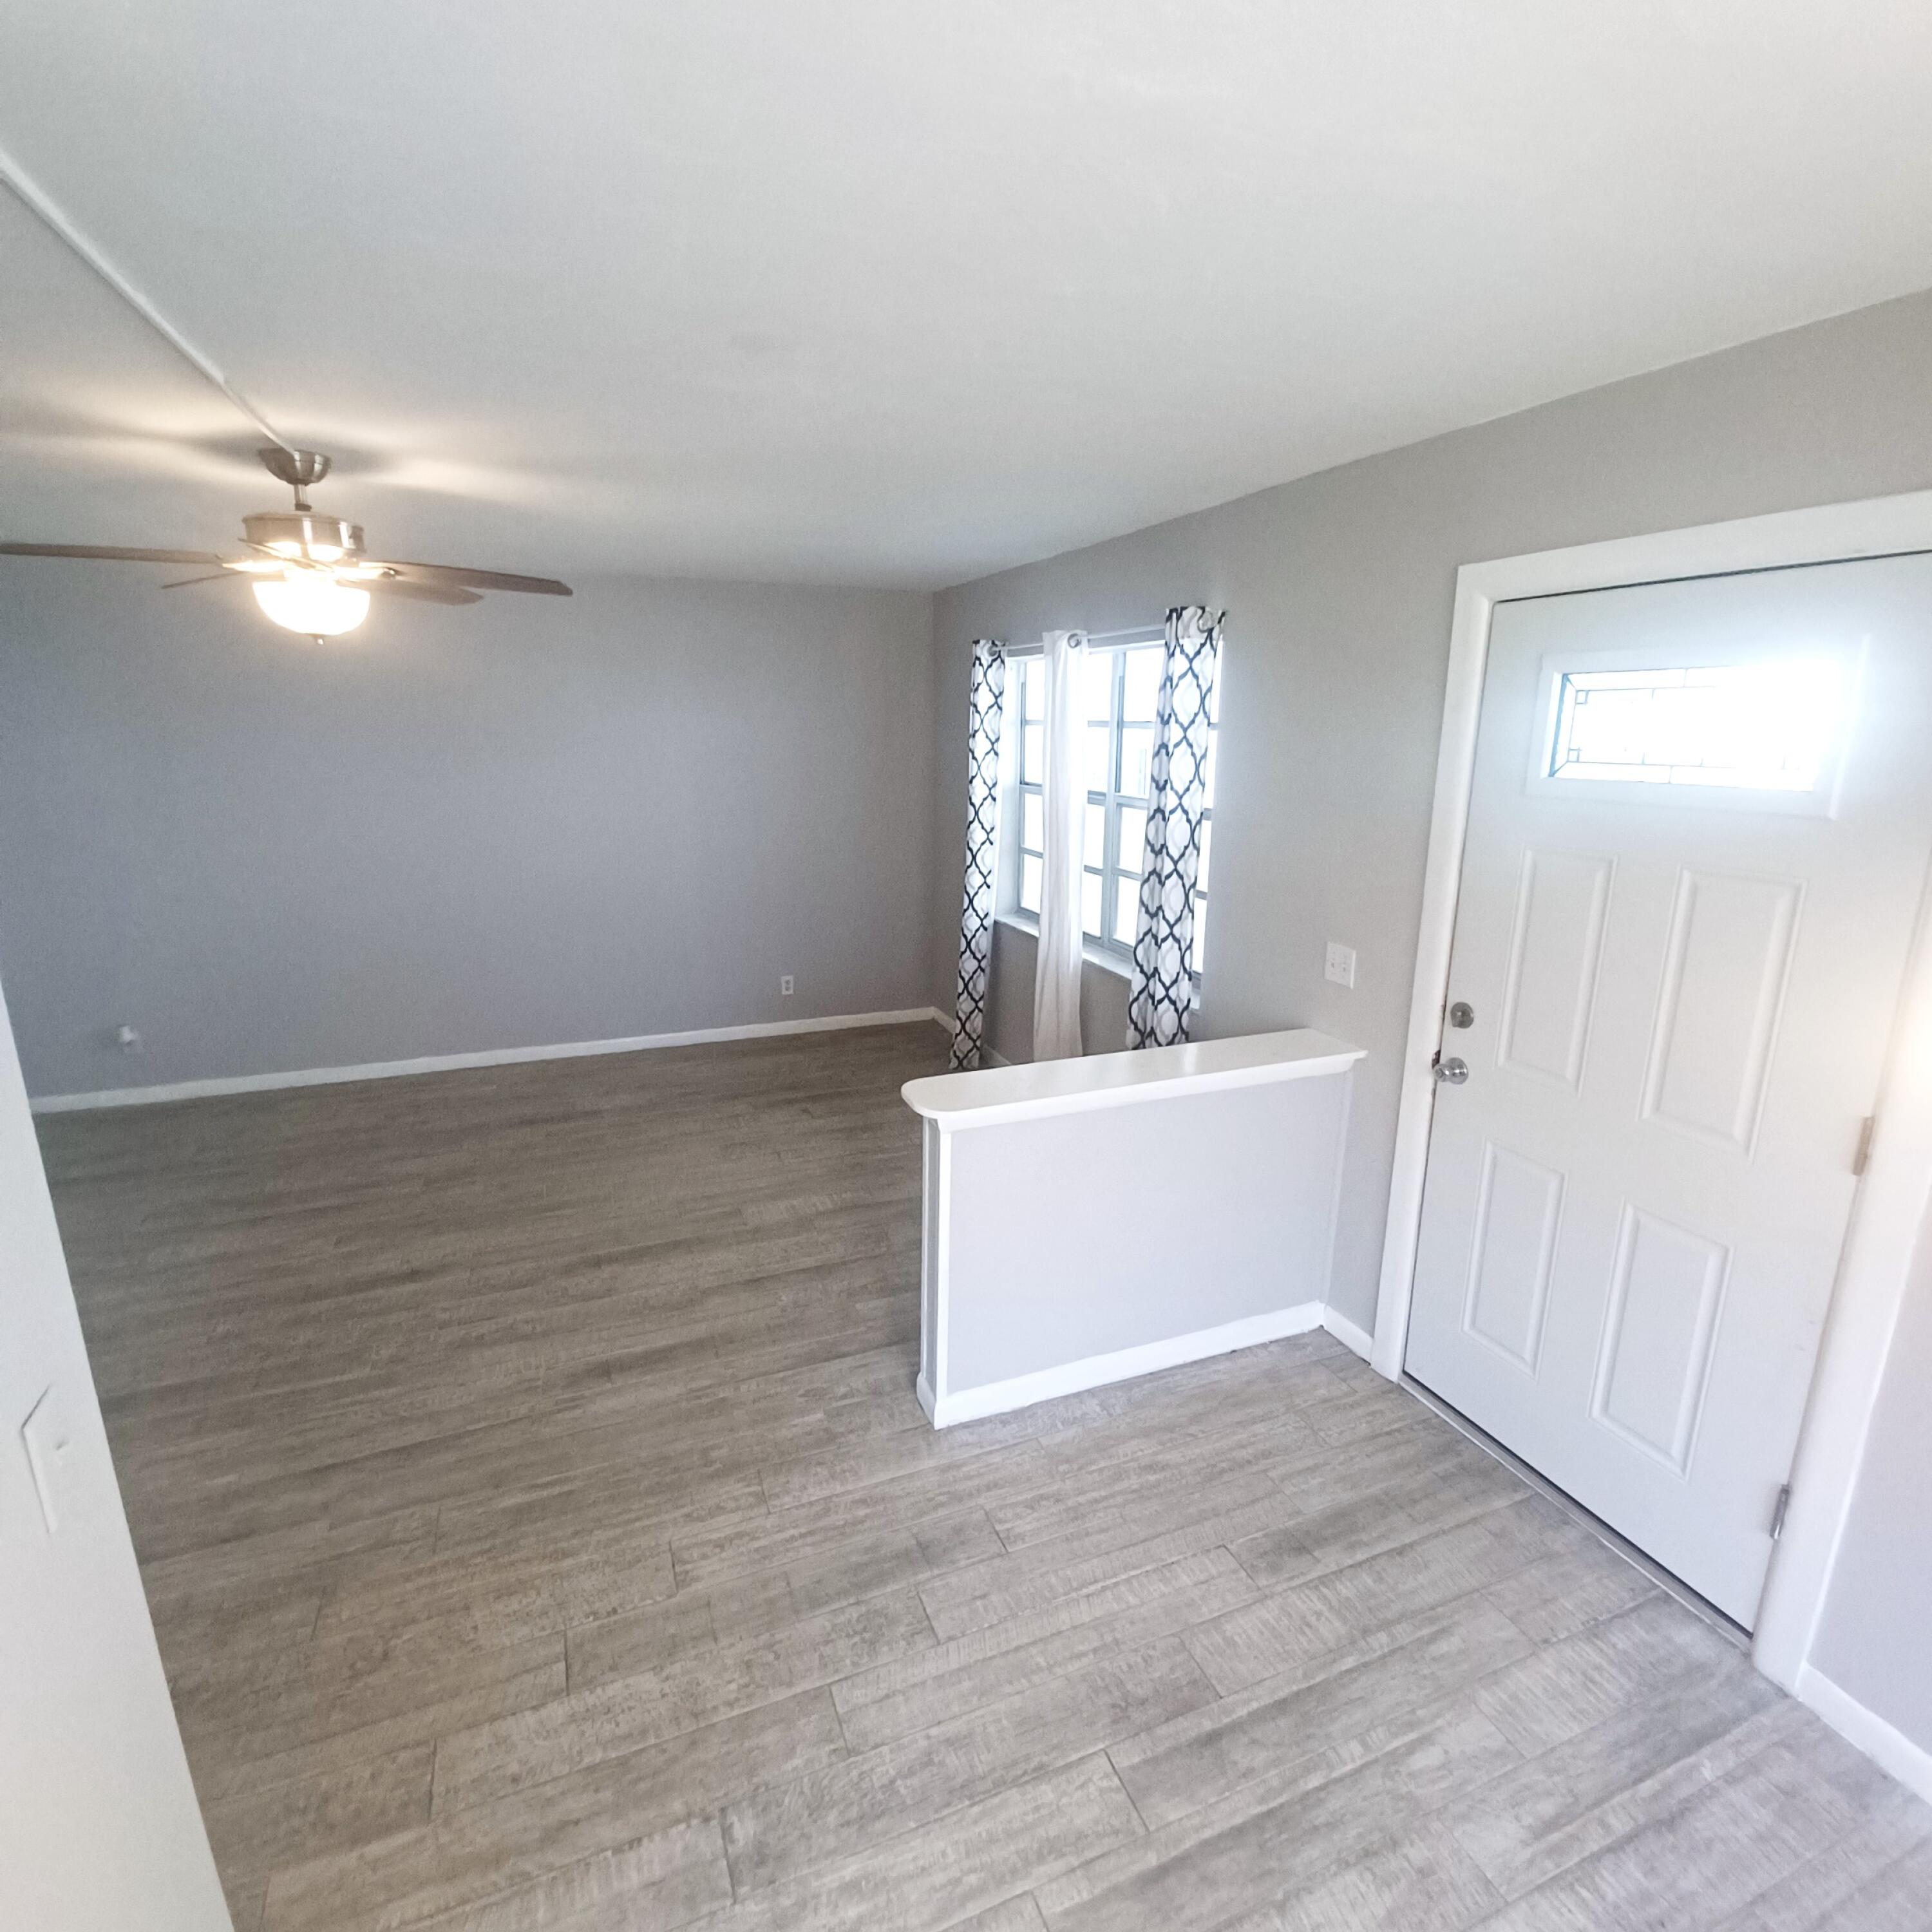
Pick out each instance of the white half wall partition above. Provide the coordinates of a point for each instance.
(1089, 1220)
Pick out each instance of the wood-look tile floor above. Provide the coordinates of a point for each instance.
(542, 1533)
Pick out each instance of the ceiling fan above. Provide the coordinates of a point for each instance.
(308, 571)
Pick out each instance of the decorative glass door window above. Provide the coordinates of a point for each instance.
(1770, 726)
(1120, 691)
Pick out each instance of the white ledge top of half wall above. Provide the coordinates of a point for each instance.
(996, 1093)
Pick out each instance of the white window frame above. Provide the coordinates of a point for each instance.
(1102, 948)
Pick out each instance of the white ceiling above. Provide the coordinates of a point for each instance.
(896, 290)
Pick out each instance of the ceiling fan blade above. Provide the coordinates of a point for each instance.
(478, 580)
(213, 577)
(108, 553)
(420, 593)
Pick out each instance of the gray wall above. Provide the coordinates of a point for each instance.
(520, 824)
(1051, 1261)
(1872, 1640)
(1338, 589)
(1103, 999)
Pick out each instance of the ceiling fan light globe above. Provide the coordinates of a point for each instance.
(311, 602)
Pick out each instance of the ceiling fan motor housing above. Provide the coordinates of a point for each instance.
(298, 468)
(302, 536)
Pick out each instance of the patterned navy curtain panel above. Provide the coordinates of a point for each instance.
(985, 712)
(1162, 994)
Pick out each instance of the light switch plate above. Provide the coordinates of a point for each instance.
(48, 1432)
(1341, 966)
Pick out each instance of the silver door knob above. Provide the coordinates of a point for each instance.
(1452, 1072)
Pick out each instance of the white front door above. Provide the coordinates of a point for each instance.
(1698, 840)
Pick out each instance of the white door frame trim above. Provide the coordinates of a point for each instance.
(1892, 1198)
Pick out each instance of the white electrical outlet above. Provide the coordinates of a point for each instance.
(1341, 966)
(785, 987)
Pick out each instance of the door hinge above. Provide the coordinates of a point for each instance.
(1777, 1512)
(1861, 1159)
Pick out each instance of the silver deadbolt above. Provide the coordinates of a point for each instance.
(1452, 1072)
(1462, 1014)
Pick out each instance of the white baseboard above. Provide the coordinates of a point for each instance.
(1356, 1341)
(1122, 1365)
(922, 1389)
(448, 1063)
(1887, 1747)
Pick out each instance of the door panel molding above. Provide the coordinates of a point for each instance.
(1533, 1192)
(1893, 1194)
(1662, 1328)
(1716, 1092)
(1563, 904)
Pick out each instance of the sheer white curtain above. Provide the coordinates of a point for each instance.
(1056, 990)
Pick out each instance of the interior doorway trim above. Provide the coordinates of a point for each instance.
(1892, 1198)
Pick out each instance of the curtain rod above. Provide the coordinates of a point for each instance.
(1135, 634)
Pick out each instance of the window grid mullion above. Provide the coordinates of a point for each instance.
(1110, 835)
(1114, 801)
(1119, 805)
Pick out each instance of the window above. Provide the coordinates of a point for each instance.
(1770, 726)
(1121, 688)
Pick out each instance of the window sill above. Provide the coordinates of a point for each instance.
(1093, 955)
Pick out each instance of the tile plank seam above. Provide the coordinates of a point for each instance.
(386, 1374)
